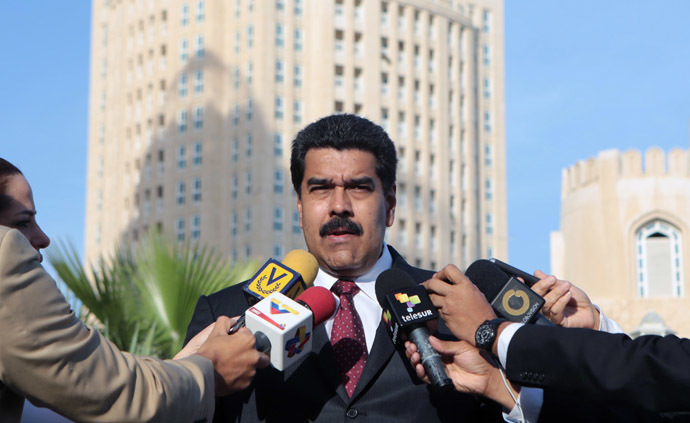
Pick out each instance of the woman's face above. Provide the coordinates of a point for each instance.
(21, 212)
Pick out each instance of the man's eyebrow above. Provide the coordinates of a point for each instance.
(318, 181)
(27, 211)
(364, 180)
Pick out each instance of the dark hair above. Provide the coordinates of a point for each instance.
(7, 169)
(345, 132)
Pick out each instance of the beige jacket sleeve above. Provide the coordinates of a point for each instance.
(50, 357)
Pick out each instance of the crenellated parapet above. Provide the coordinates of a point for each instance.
(627, 165)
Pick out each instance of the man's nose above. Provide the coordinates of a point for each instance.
(341, 205)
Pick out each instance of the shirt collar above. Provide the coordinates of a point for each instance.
(366, 282)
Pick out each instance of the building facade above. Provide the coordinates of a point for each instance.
(624, 236)
(194, 103)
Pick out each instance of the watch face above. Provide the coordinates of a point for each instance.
(485, 336)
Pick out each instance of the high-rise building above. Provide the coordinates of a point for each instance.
(194, 103)
(624, 235)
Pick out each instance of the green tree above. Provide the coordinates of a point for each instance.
(143, 298)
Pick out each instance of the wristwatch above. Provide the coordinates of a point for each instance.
(486, 333)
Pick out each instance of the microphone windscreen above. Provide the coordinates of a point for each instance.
(391, 280)
(304, 263)
(488, 277)
(320, 301)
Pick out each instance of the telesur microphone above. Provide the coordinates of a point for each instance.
(510, 298)
(406, 308)
(283, 326)
(291, 277)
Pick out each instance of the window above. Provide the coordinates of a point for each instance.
(277, 250)
(182, 121)
(488, 159)
(278, 181)
(237, 43)
(196, 190)
(199, 82)
(297, 112)
(249, 73)
(233, 224)
(278, 219)
(280, 5)
(199, 46)
(279, 71)
(198, 117)
(196, 159)
(279, 107)
(184, 55)
(486, 21)
(248, 220)
(235, 150)
(250, 109)
(233, 188)
(181, 157)
(295, 223)
(180, 193)
(200, 10)
(236, 78)
(236, 114)
(298, 39)
(417, 200)
(184, 15)
(487, 121)
(182, 85)
(279, 35)
(658, 253)
(298, 76)
(278, 145)
(487, 88)
(196, 227)
(250, 36)
(248, 182)
(249, 145)
(488, 191)
(384, 84)
(486, 56)
(489, 224)
(180, 230)
(298, 7)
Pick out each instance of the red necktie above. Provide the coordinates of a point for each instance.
(347, 336)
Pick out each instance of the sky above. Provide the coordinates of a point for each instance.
(582, 76)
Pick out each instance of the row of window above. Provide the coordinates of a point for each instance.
(199, 12)
(297, 73)
(197, 115)
(278, 221)
(279, 109)
(194, 226)
(181, 192)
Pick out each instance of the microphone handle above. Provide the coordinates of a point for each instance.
(239, 324)
(263, 344)
(431, 359)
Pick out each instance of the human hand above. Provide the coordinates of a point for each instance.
(234, 357)
(566, 305)
(459, 302)
(469, 369)
(195, 343)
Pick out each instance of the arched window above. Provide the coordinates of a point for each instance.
(658, 260)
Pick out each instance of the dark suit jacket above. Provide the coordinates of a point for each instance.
(649, 373)
(312, 390)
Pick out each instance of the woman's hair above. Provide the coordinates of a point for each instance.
(7, 170)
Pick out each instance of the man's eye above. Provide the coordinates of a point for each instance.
(22, 224)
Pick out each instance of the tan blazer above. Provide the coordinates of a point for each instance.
(50, 357)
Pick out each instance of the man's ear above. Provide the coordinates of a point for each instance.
(299, 210)
(391, 202)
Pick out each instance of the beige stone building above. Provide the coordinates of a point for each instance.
(624, 236)
(193, 105)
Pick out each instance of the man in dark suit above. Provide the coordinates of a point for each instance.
(650, 374)
(343, 170)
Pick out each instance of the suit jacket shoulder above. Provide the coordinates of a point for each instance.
(50, 357)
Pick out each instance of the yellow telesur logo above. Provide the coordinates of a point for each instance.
(273, 278)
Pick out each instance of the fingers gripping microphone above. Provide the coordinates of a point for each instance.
(510, 298)
(406, 308)
(283, 326)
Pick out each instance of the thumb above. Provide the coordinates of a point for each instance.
(449, 347)
(223, 325)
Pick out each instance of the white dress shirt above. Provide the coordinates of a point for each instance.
(366, 304)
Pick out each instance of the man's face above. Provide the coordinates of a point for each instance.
(343, 210)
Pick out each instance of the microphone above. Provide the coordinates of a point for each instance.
(406, 307)
(510, 298)
(291, 277)
(283, 326)
(275, 276)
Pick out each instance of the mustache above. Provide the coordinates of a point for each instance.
(340, 223)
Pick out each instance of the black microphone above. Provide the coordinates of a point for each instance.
(406, 308)
(510, 298)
